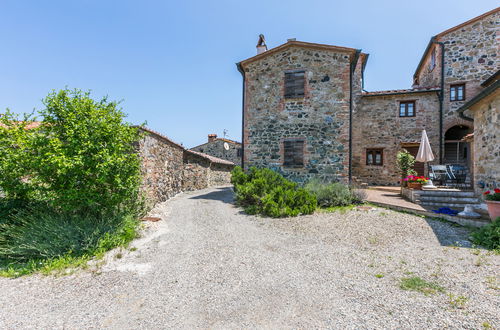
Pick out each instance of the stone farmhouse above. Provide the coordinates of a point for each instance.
(306, 113)
(221, 148)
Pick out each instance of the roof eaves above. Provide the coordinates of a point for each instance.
(295, 43)
(210, 158)
(399, 92)
(148, 130)
(484, 93)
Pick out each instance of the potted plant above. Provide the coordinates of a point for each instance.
(415, 182)
(493, 202)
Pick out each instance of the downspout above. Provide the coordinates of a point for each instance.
(441, 100)
(351, 76)
(240, 69)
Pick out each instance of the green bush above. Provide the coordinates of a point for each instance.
(263, 191)
(488, 236)
(81, 158)
(333, 194)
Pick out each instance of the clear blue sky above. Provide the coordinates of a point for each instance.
(173, 62)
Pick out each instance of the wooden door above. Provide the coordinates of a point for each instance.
(419, 166)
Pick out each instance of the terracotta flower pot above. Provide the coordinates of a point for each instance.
(493, 209)
(415, 185)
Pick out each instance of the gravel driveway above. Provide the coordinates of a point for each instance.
(207, 265)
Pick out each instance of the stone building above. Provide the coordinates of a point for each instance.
(485, 110)
(306, 114)
(221, 148)
(168, 168)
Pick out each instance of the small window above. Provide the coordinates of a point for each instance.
(432, 63)
(407, 109)
(374, 157)
(239, 152)
(294, 84)
(457, 92)
(294, 153)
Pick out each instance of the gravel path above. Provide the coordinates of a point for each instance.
(207, 265)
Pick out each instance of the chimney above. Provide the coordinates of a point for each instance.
(291, 39)
(261, 44)
(212, 137)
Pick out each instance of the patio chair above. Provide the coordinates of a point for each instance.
(439, 173)
(458, 174)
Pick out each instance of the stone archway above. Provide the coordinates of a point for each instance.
(457, 151)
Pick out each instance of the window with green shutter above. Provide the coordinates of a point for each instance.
(294, 84)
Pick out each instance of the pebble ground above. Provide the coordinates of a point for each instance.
(208, 265)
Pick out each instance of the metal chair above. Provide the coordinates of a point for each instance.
(439, 173)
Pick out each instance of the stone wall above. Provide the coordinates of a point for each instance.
(216, 148)
(168, 168)
(196, 172)
(471, 56)
(321, 118)
(162, 167)
(487, 143)
(376, 124)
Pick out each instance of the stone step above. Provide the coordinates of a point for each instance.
(447, 193)
(448, 199)
(457, 206)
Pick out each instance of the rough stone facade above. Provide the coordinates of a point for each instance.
(470, 57)
(215, 147)
(377, 125)
(487, 143)
(320, 118)
(168, 168)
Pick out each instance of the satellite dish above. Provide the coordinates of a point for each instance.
(226, 146)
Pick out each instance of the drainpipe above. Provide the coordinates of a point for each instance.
(351, 76)
(240, 69)
(441, 100)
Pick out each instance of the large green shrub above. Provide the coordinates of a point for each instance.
(263, 191)
(81, 157)
(333, 194)
(488, 236)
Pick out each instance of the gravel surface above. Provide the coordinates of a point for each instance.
(208, 265)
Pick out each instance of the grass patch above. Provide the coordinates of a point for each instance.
(457, 301)
(416, 283)
(337, 209)
(379, 275)
(34, 239)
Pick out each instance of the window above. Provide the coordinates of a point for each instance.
(407, 109)
(294, 84)
(432, 63)
(457, 92)
(374, 157)
(294, 153)
(239, 152)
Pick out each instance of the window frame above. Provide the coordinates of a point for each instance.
(455, 87)
(293, 86)
(373, 152)
(406, 108)
(302, 149)
(432, 63)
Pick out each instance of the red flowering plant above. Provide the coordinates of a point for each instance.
(417, 179)
(492, 196)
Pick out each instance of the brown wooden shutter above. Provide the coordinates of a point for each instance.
(294, 84)
(294, 153)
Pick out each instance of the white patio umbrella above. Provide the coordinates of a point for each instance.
(425, 154)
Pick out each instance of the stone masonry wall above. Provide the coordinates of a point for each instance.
(168, 169)
(321, 118)
(487, 143)
(471, 56)
(162, 168)
(216, 149)
(376, 124)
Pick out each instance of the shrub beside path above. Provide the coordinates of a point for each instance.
(208, 265)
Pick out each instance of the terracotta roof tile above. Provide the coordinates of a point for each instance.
(401, 91)
(211, 158)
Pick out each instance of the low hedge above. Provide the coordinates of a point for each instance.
(263, 191)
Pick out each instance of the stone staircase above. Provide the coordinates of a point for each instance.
(452, 198)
